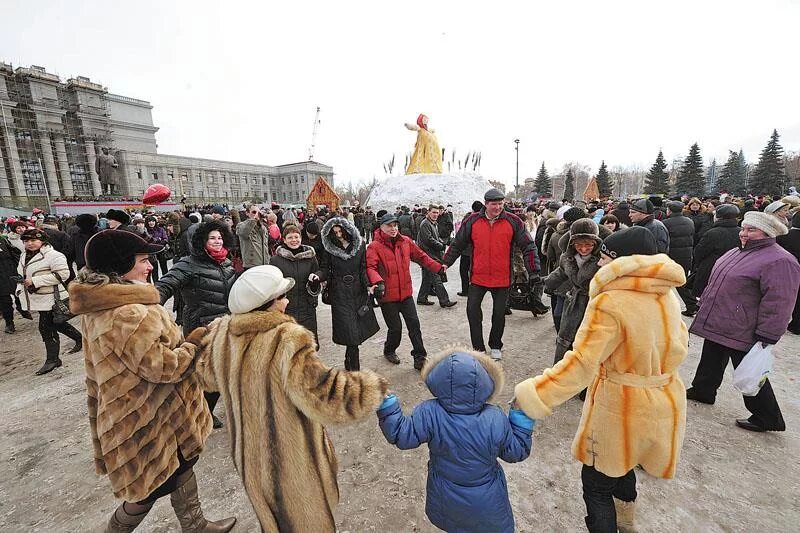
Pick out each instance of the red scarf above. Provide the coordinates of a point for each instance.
(218, 256)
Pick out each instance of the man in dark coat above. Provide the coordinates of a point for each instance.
(429, 241)
(791, 243)
(446, 224)
(406, 223)
(9, 259)
(85, 226)
(681, 244)
(642, 215)
(59, 241)
(623, 213)
(465, 260)
(723, 236)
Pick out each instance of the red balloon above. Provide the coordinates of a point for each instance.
(155, 194)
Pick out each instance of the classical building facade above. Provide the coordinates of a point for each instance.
(51, 133)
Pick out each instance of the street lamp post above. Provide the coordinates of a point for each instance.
(516, 186)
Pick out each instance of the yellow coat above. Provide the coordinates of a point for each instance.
(427, 156)
(627, 350)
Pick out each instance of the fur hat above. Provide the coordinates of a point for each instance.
(33, 234)
(769, 224)
(114, 251)
(574, 213)
(584, 228)
(256, 287)
(643, 206)
(120, 216)
(86, 222)
(726, 211)
(635, 240)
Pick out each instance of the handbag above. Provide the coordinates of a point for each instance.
(60, 309)
(167, 253)
(326, 295)
(752, 372)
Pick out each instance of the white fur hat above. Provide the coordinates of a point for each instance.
(257, 286)
(769, 224)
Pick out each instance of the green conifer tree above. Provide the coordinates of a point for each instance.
(731, 177)
(769, 176)
(569, 186)
(657, 180)
(543, 185)
(603, 181)
(691, 180)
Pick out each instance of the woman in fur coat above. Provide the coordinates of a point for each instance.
(577, 266)
(146, 410)
(346, 273)
(279, 396)
(627, 351)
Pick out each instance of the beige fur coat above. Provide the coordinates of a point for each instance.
(278, 396)
(145, 402)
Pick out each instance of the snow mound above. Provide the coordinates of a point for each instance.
(459, 190)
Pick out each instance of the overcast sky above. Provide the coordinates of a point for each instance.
(574, 81)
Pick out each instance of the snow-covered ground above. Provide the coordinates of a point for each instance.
(459, 189)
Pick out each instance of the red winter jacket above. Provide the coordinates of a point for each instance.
(389, 260)
(492, 248)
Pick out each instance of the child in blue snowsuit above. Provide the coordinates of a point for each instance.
(466, 488)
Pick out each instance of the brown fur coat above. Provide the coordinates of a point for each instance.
(145, 402)
(278, 396)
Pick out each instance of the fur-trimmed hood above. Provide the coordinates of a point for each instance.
(304, 252)
(332, 247)
(200, 236)
(463, 380)
(86, 298)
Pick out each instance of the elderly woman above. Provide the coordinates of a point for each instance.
(345, 270)
(749, 298)
(41, 269)
(146, 411)
(279, 397)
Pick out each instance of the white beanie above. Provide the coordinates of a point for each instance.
(769, 224)
(257, 286)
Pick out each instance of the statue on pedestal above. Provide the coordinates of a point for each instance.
(104, 165)
(427, 157)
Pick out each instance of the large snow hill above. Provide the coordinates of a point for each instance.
(459, 189)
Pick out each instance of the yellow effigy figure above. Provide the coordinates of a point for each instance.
(427, 156)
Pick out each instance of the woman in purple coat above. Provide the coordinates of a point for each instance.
(749, 299)
(157, 235)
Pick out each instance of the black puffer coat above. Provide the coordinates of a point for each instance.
(9, 259)
(202, 283)
(681, 239)
(702, 223)
(346, 273)
(723, 236)
(298, 265)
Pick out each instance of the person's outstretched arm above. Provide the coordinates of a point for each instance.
(518, 438)
(405, 432)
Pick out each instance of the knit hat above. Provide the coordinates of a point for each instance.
(311, 227)
(769, 224)
(726, 211)
(257, 286)
(675, 207)
(34, 233)
(574, 213)
(643, 206)
(493, 195)
(111, 251)
(120, 216)
(477, 205)
(635, 240)
(584, 228)
(774, 207)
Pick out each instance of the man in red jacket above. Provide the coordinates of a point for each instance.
(493, 233)
(389, 259)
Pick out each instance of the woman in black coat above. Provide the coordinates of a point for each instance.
(345, 270)
(9, 259)
(203, 279)
(723, 236)
(299, 262)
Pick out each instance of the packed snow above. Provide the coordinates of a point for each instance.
(459, 190)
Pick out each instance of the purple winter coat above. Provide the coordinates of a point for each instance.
(750, 296)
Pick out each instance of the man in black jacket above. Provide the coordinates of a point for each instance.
(681, 244)
(791, 243)
(446, 223)
(723, 236)
(59, 241)
(429, 241)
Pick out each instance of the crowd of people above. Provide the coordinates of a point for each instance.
(246, 280)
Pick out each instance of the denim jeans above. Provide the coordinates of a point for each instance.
(599, 492)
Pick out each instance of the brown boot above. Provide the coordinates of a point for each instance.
(625, 516)
(122, 522)
(187, 508)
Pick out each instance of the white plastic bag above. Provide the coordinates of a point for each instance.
(754, 369)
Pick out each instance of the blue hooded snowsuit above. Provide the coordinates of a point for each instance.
(466, 489)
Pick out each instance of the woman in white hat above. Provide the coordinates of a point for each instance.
(278, 397)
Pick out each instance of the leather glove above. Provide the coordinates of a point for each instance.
(196, 336)
(379, 290)
(534, 280)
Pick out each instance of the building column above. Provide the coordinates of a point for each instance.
(91, 157)
(63, 165)
(50, 166)
(5, 191)
(13, 156)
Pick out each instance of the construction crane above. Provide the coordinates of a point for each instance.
(314, 136)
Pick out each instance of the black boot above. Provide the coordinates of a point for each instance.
(26, 314)
(77, 348)
(351, 359)
(52, 347)
(10, 327)
(49, 366)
